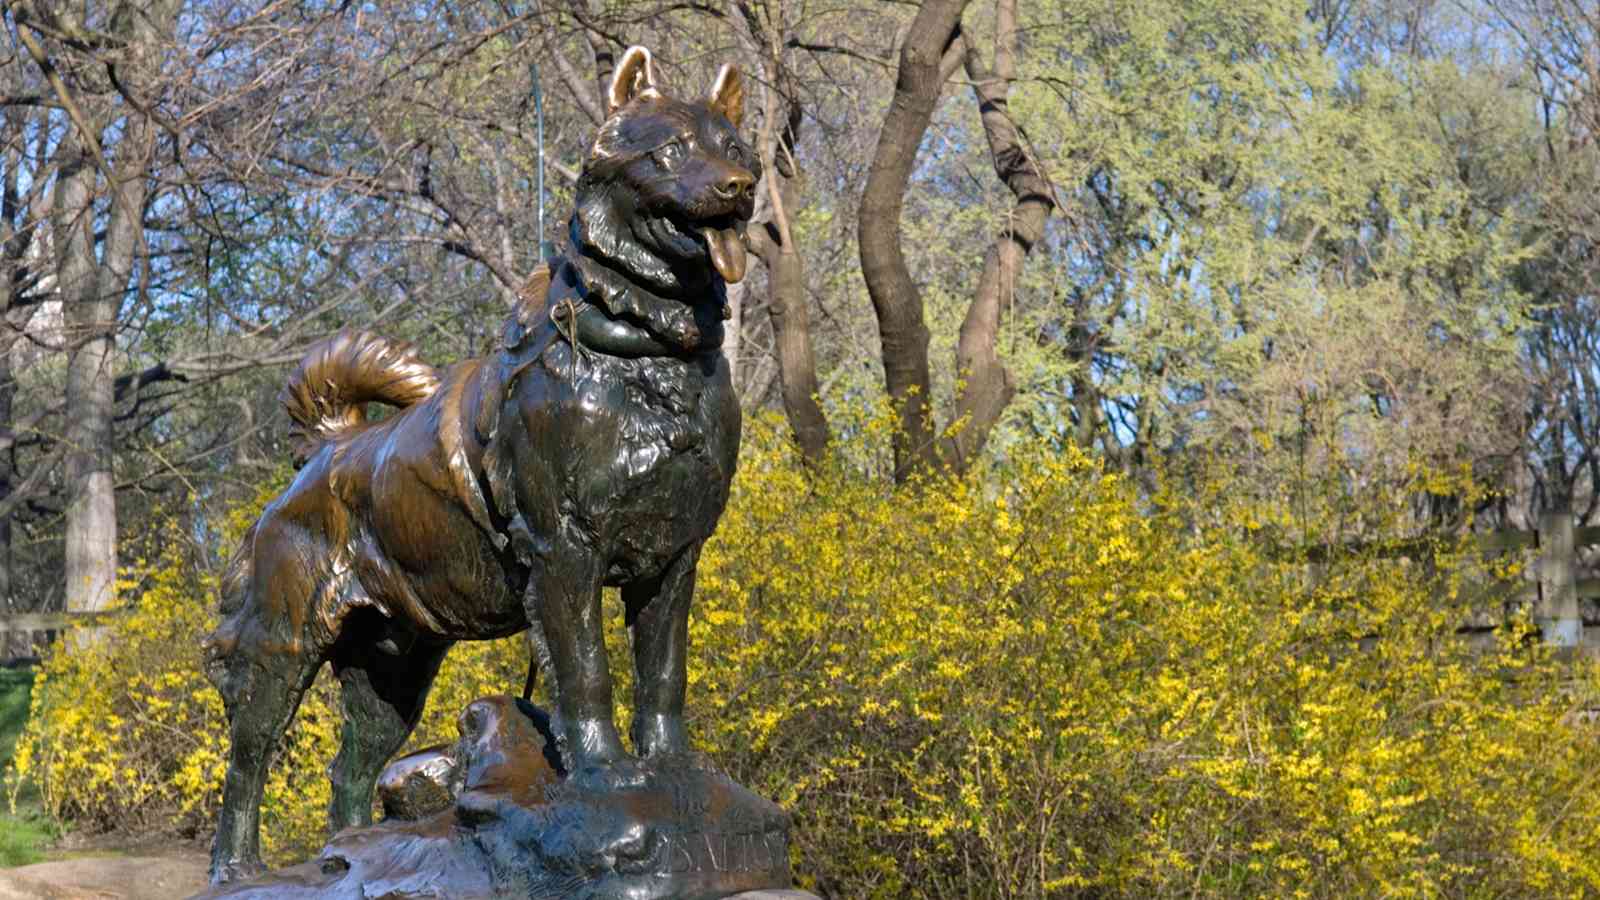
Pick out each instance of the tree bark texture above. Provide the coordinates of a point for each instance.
(987, 386)
(91, 539)
(8, 391)
(902, 329)
(772, 238)
(733, 335)
(774, 242)
(791, 335)
(15, 241)
(91, 286)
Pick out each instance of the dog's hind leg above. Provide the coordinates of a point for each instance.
(658, 613)
(261, 691)
(383, 696)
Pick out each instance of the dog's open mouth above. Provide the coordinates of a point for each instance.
(723, 238)
(726, 246)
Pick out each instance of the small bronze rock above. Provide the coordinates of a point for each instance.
(417, 785)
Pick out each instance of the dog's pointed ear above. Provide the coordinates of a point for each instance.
(727, 94)
(635, 77)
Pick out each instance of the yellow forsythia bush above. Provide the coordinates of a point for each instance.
(126, 733)
(1032, 681)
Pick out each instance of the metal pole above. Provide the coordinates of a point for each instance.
(546, 248)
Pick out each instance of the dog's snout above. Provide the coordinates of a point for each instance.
(737, 185)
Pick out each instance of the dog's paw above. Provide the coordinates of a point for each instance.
(608, 775)
(236, 870)
(659, 735)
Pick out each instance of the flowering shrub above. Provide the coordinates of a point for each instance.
(127, 733)
(1033, 681)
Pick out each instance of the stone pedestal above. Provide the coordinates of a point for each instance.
(493, 817)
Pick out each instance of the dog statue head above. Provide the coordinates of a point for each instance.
(668, 186)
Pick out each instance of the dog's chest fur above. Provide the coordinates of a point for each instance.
(636, 454)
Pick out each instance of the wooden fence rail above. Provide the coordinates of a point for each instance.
(58, 620)
(1556, 592)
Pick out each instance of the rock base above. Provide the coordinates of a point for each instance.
(493, 817)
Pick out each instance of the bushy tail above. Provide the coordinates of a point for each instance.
(328, 392)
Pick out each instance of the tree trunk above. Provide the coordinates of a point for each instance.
(774, 242)
(987, 386)
(13, 247)
(733, 336)
(902, 331)
(91, 285)
(773, 239)
(8, 393)
(91, 550)
(791, 334)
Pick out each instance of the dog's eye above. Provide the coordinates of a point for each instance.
(735, 153)
(670, 153)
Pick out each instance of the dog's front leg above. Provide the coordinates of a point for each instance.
(658, 611)
(565, 595)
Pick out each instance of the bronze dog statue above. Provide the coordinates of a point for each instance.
(595, 448)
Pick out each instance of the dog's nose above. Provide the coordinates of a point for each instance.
(736, 184)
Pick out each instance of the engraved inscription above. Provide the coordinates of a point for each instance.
(688, 803)
(719, 851)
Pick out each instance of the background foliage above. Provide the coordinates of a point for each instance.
(1026, 682)
(1296, 233)
(1309, 272)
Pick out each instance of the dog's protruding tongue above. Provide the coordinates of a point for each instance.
(727, 252)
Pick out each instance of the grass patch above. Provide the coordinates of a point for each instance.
(23, 838)
(16, 686)
(25, 833)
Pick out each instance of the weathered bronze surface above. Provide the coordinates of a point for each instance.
(594, 448)
(510, 827)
